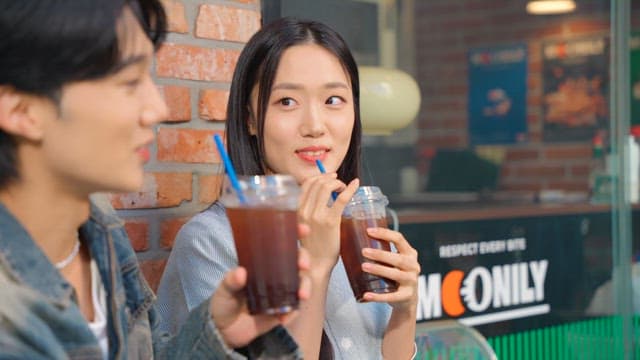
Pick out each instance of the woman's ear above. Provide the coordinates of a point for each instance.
(17, 113)
(252, 123)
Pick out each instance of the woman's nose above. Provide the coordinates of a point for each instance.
(313, 123)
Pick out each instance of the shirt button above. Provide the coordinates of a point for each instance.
(346, 343)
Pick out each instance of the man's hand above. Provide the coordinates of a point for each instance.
(229, 309)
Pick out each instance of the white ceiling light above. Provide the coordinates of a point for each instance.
(546, 7)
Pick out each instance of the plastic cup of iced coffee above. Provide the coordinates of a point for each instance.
(265, 232)
(366, 209)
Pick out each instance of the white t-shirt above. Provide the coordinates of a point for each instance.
(99, 298)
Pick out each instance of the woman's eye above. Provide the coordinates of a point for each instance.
(335, 100)
(287, 102)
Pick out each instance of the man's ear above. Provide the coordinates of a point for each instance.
(17, 113)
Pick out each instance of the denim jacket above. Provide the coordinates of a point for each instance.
(39, 316)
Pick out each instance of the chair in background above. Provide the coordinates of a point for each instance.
(450, 339)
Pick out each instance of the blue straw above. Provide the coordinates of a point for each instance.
(229, 167)
(334, 194)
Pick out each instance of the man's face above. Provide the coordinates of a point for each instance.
(97, 138)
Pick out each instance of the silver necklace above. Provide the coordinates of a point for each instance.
(66, 261)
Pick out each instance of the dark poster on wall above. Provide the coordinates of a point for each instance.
(575, 88)
(497, 94)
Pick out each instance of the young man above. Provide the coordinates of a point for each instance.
(77, 106)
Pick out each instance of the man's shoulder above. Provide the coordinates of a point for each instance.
(102, 210)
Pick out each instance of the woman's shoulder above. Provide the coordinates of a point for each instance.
(211, 223)
(208, 219)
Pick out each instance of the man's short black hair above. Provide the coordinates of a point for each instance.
(46, 44)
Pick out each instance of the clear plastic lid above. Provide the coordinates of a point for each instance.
(366, 194)
(277, 191)
(367, 202)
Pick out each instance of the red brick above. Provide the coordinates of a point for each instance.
(138, 232)
(550, 30)
(445, 141)
(178, 101)
(469, 24)
(534, 82)
(445, 104)
(159, 190)
(169, 229)
(209, 186)
(145, 198)
(533, 119)
(227, 23)
(534, 100)
(454, 90)
(525, 186)
(568, 152)
(545, 171)
(152, 271)
(515, 154)
(176, 17)
(535, 68)
(173, 188)
(588, 26)
(507, 171)
(569, 185)
(484, 5)
(213, 104)
(535, 137)
(196, 63)
(187, 145)
(440, 8)
(581, 170)
(448, 123)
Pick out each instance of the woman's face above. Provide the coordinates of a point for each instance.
(310, 113)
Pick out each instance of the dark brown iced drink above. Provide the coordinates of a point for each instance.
(265, 232)
(365, 210)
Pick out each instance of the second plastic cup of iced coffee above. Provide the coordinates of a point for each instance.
(366, 209)
(265, 232)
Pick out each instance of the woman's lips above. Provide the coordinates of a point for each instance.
(312, 154)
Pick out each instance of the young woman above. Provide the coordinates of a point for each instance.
(77, 106)
(294, 99)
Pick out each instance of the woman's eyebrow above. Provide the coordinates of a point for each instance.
(292, 86)
(287, 86)
(336, 84)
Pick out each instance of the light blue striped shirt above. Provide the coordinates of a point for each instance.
(204, 251)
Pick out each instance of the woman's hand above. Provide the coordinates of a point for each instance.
(323, 219)
(229, 308)
(402, 267)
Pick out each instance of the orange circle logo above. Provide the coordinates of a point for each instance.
(451, 301)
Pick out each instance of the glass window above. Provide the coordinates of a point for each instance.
(517, 179)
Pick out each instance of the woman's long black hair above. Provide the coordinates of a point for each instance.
(257, 64)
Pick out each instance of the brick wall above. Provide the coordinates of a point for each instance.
(445, 30)
(193, 70)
